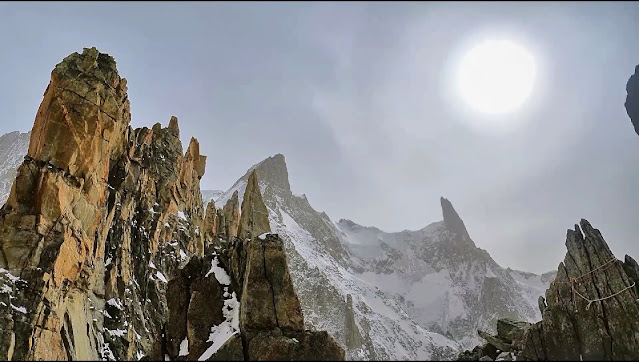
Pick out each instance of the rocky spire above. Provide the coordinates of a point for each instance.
(452, 220)
(632, 99)
(220, 223)
(54, 224)
(210, 220)
(274, 172)
(590, 311)
(232, 216)
(254, 215)
(79, 130)
(102, 240)
(86, 95)
(271, 318)
(194, 162)
(174, 127)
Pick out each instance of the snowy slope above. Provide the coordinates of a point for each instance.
(386, 329)
(448, 284)
(13, 148)
(532, 285)
(208, 195)
(389, 296)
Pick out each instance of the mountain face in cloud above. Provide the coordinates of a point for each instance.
(407, 295)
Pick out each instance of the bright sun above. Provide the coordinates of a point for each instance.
(496, 76)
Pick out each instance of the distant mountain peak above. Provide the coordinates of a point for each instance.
(452, 220)
(273, 171)
(349, 223)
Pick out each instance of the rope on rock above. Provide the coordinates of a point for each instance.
(589, 274)
(613, 260)
(590, 301)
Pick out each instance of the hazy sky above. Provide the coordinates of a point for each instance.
(359, 97)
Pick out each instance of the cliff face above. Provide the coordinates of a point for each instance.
(104, 253)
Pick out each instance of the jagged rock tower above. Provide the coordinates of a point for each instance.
(104, 253)
(590, 311)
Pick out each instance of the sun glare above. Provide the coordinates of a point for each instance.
(496, 76)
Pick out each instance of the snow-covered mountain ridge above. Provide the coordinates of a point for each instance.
(407, 295)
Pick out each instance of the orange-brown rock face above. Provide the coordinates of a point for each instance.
(78, 131)
(102, 241)
(93, 205)
(83, 117)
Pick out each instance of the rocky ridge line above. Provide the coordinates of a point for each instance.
(105, 253)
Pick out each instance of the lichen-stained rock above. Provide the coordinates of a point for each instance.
(254, 215)
(591, 311)
(154, 230)
(632, 269)
(511, 331)
(83, 117)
